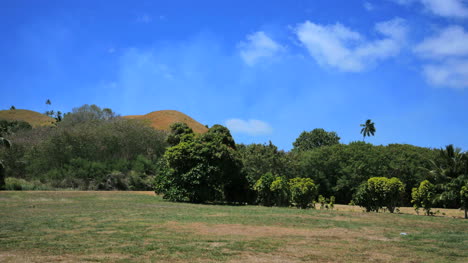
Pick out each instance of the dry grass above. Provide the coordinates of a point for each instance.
(32, 117)
(162, 120)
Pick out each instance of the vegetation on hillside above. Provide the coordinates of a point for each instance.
(93, 148)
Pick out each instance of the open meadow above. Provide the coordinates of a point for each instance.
(71, 226)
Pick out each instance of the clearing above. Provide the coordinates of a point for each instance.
(71, 226)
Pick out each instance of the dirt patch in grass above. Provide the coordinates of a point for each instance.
(274, 231)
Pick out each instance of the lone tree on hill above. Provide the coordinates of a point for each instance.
(368, 129)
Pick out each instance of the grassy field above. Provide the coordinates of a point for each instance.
(140, 227)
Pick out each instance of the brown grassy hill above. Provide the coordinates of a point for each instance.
(163, 119)
(32, 117)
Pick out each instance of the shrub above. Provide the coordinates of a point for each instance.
(380, 192)
(332, 202)
(263, 187)
(423, 196)
(464, 199)
(280, 189)
(303, 191)
(322, 201)
(16, 184)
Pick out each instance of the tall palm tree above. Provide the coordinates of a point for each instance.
(368, 129)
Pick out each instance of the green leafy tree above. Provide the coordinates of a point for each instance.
(265, 196)
(179, 131)
(315, 139)
(303, 192)
(368, 129)
(281, 191)
(464, 199)
(423, 197)
(259, 159)
(199, 169)
(12, 108)
(87, 113)
(380, 192)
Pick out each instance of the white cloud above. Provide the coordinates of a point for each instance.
(257, 47)
(453, 74)
(448, 55)
(446, 8)
(368, 6)
(451, 41)
(340, 47)
(251, 127)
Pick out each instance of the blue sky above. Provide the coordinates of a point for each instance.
(267, 69)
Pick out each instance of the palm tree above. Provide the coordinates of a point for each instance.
(368, 129)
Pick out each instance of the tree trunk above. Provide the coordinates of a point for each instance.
(466, 212)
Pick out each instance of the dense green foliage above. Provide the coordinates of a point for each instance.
(315, 139)
(272, 190)
(423, 196)
(464, 199)
(380, 192)
(200, 168)
(339, 170)
(303, 192)
(92, 148)
(259, 159)
(106, 154)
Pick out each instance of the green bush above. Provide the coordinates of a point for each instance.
(423, 197)
(380, 192)
(464, 199)
(265, 195)
(303, 191)
(16, 184)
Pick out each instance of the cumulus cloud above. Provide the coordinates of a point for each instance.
(258, 46)
(446, 8)
(451, 41)
(447, 55)
(340, 47)
(251, 127)
(452, 74)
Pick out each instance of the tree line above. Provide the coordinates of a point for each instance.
(95, 149)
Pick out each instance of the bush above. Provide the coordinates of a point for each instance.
(265, 195)
(380, 192)
(15, 184)
(464, 199)
(423, 197)
(303, 191)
